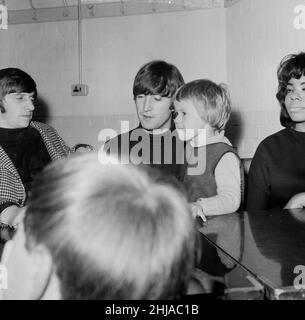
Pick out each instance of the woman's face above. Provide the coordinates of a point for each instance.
(295, 102)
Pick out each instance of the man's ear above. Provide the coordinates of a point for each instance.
(42, 269)
(28, 270)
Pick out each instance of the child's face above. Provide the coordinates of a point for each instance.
(154, 111)
(187, 120)
(295, 100)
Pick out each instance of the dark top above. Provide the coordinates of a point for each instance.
(164, 152)
(26, 150)
(277, 170)
(202, 183)
(269, 244)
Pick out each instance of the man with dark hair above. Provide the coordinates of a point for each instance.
(25, 146)
(94, 231)
(154, 142)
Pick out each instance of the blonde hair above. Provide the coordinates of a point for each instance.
(113, 232)
(212, 99)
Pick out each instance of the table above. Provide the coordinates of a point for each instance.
(251, 255)
(222, 276)
(269, 245)
(222, 279)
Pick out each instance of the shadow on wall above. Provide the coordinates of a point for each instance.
(41, 112)
(234, 129)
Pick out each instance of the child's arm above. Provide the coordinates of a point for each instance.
(227, 176)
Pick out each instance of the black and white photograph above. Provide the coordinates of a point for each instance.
(152, 152)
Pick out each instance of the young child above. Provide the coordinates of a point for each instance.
(202, 109)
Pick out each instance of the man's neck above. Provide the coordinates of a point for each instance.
(157, 131)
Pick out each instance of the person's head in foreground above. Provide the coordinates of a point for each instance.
(100, 231)
(291, 91)
(201, 104)
(153, 90)
(17, 93)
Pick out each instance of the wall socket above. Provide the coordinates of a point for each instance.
(79, 90)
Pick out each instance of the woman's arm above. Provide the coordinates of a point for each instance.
(258, 182)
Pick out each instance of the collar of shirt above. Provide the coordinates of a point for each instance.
(203, 141)
(156, 131)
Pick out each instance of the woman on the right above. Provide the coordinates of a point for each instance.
(277, 170)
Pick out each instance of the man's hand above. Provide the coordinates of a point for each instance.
(12, 215)
(297, 201)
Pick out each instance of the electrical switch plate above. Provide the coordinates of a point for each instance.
(79, 90)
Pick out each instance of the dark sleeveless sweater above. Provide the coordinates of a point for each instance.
(199, 177)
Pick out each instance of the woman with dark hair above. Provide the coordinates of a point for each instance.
(277, 170)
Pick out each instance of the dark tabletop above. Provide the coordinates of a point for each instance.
(223, 276)
(268, 244)
(216, 273)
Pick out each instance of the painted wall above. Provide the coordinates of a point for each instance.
(113, 50)
(241, 45)
(259, 34)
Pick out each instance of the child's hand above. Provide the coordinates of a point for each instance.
(197, 211)
(297, 201)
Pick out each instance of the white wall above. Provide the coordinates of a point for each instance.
(114, 49)
(259, 34)
(241, 45)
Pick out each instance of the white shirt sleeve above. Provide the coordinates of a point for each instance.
(227, 176)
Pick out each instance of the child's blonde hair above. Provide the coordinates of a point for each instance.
(212, 99)
(113, 232)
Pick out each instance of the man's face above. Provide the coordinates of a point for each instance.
(154, 111)
(19, 109)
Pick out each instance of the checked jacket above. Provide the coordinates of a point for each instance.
(11, 186)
